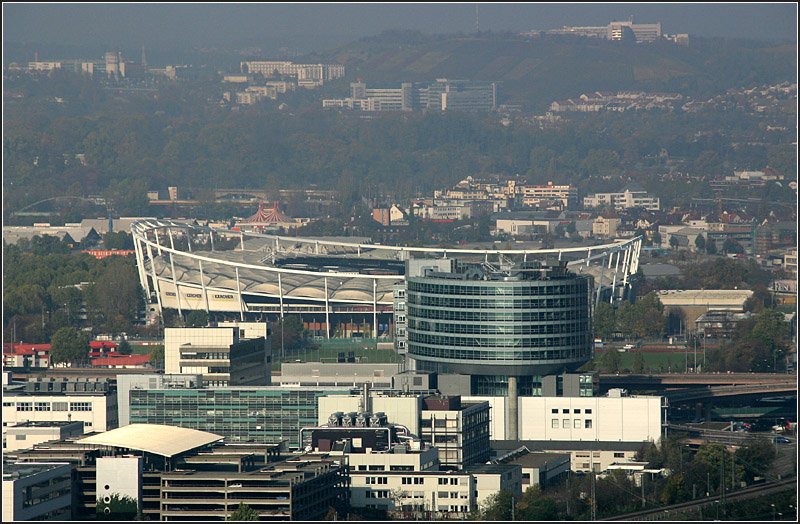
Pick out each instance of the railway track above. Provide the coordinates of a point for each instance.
(671, 512)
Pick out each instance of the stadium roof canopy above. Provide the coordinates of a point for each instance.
(157, 439)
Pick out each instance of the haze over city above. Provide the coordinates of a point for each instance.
(428, 262)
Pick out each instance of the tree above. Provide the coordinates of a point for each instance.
(713, 459)
(638, 362)
(711, 247)
(673, 242)
(157, 356)
(118, 240)
(656, 238)
(535, 506)
(290, 332)
(604, 320)
(69, 346)
(124, 348)
(197, 318)
(732, 246)
(497, 506)
(244, 512)
(700, 243)
(756, 456)
(612, 360)
(116, 295)
(118, 508)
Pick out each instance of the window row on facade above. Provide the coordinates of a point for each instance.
(495, 316)
(548, 328)
(50, 406)
(500, 303)
(567, 341)
(576, 423)
(455, 354)
(504, 290)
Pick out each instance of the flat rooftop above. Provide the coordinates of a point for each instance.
(491, 468)
(19, 470)
(566, 445)
(539, 460)
(44, 424)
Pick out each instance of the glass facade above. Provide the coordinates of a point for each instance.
(497, 386)
(258, 414)
(510, 321)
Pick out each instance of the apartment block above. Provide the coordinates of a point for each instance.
(221, 354)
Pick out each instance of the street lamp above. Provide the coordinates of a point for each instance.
(773, 511)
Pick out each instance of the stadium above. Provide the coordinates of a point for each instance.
(341, 287)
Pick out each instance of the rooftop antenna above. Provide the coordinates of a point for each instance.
(144, 60)
(477, 20)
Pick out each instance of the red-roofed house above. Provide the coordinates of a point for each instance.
(115, 360)
(100, 348)
(20, 355)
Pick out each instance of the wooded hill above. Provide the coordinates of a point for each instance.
(536, 71)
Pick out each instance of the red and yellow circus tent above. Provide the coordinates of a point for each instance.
(266, 217)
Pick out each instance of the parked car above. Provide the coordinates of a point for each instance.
(781, 440)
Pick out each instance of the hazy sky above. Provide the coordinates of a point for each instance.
(312, 25)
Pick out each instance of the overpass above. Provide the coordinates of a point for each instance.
(661, 380)
(729, 391)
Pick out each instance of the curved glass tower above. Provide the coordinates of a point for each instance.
(527, 321)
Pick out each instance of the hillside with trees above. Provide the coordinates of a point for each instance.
(536, 71)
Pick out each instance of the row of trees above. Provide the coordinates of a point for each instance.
(759, 344)
(707, 472)
(46, 288)
(644, 318)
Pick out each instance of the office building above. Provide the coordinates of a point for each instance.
(605, 227)
(92, 402)
(300, 489)
(620, 418)
(37, 491)
(538, 468)
(27, 434)
(400, 99)
(617, 30)
(354, 374)
(307, 72)
(492, 478)
(790, 263)
(691, 304)
(628, 197)
(173, 473)
(240, 414)
(584, 456)
(126, 383)
(460, 430)
(503, 327)
(539, 195)
(459, 95)
(223, 355)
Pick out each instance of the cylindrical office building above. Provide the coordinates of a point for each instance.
(524, 322)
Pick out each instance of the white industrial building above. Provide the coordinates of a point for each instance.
(613, 419)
